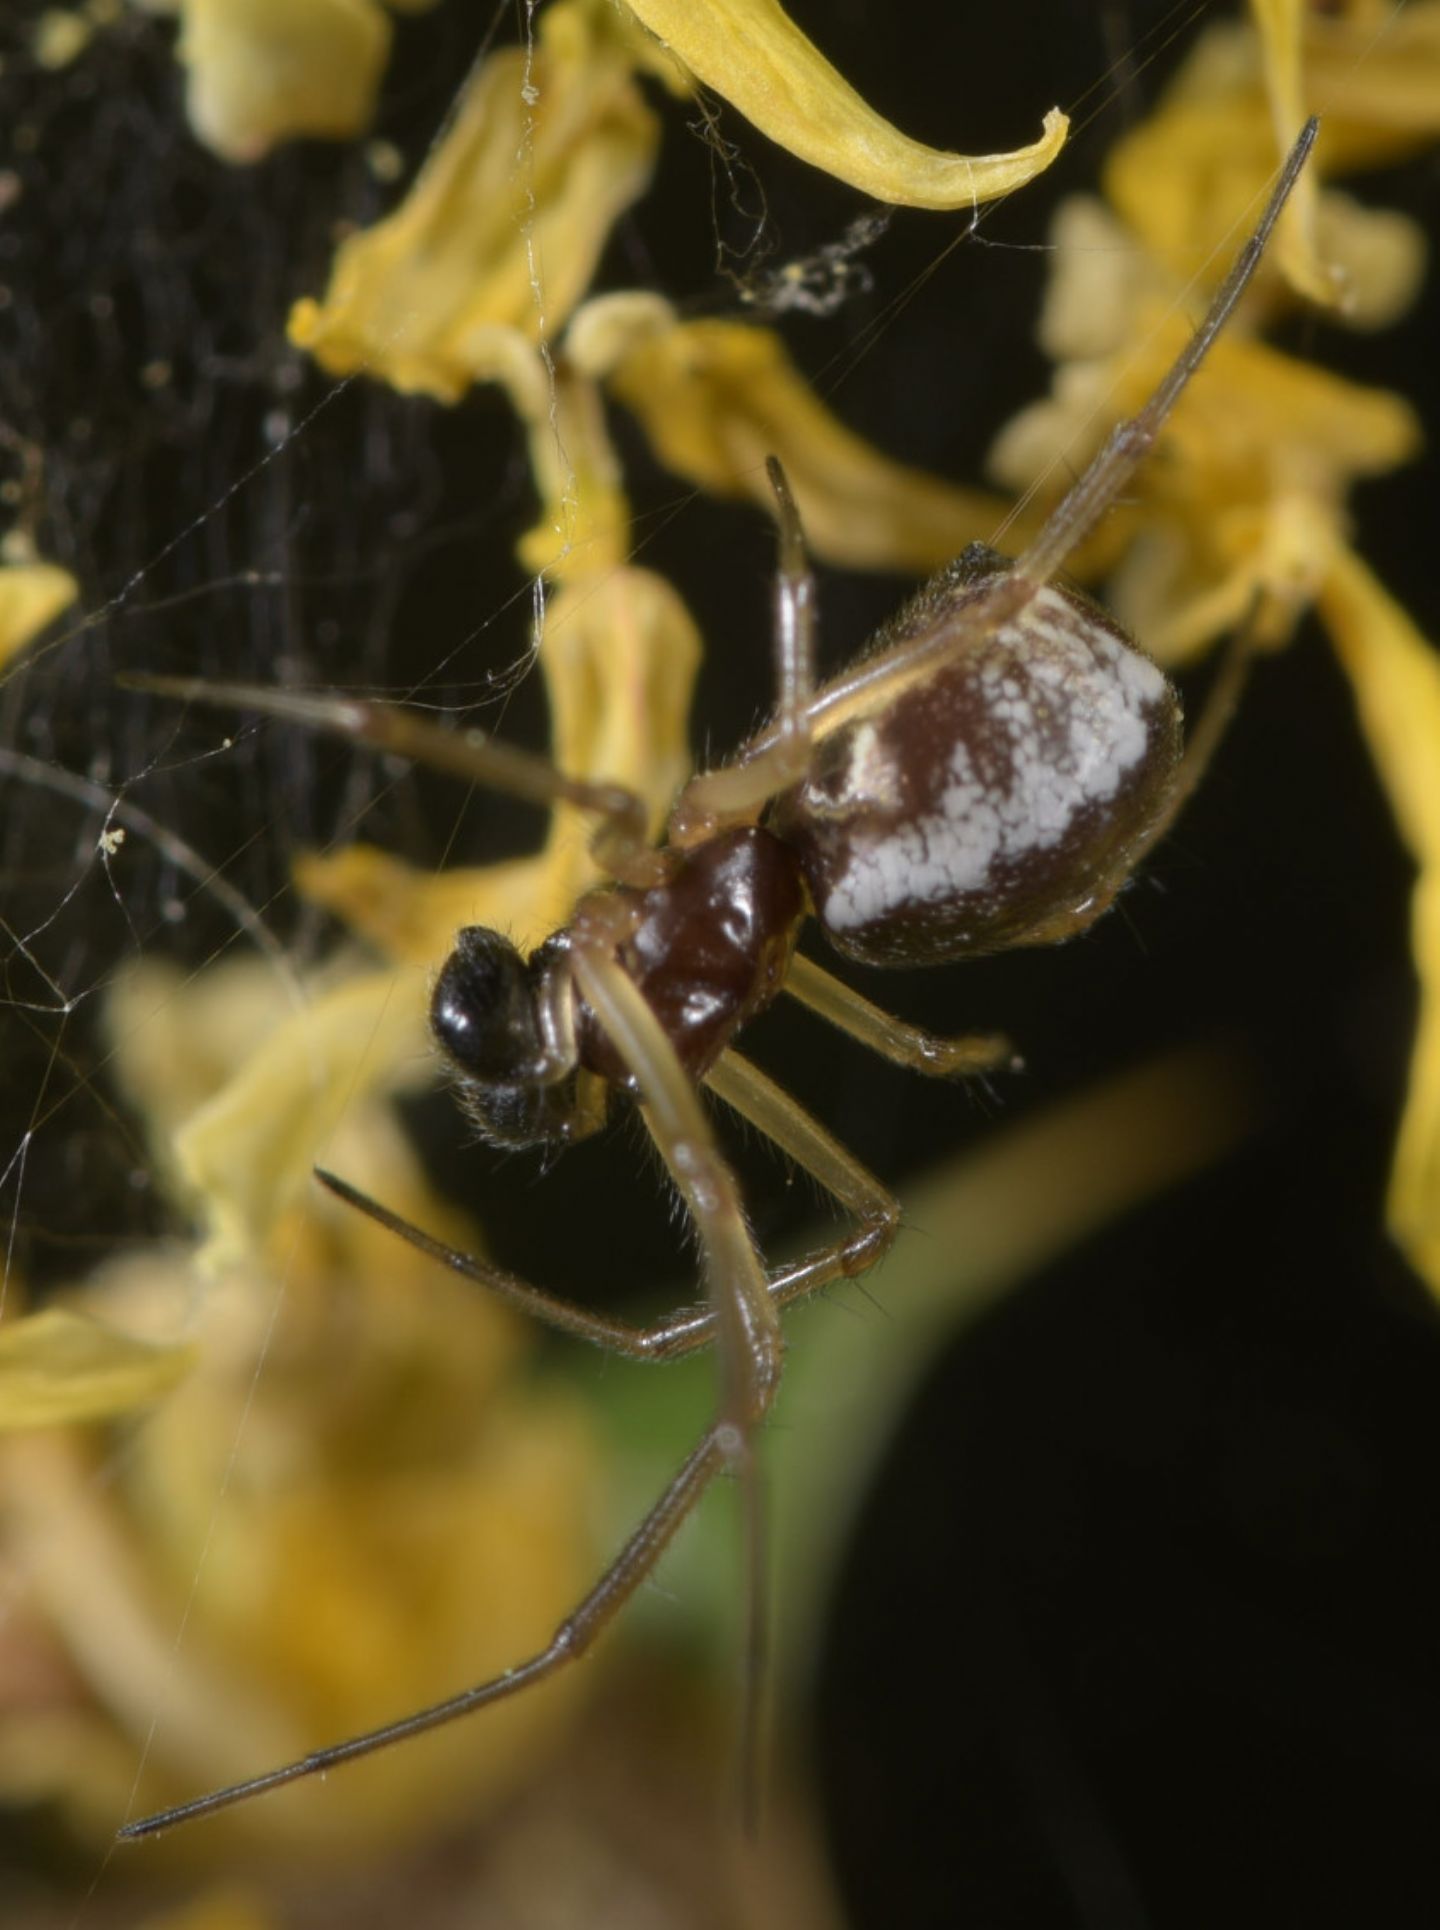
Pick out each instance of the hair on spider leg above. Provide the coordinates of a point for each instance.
(986, 777)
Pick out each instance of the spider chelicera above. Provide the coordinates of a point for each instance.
(987, 775)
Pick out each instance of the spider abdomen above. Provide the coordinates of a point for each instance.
(998, 800)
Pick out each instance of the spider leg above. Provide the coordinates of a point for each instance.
(771, 1110)
(708, 1186)
(672, 1337)
(780, 756)
(747, 1326)
(620, 842)
(783, 1120)
(751, 1352)
(1130, 442)
(906, 1045)
(570, 1641)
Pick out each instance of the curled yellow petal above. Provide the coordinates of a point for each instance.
(752, 52)
(506, 221)
(716, 398)
(1396, 678)
(59, 1367)
(32, 594)
(266, 71)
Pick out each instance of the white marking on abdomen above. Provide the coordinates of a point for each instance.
(1099, 691)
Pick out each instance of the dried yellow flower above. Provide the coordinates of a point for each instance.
(505, 221)
(1254, 461)
(1242, 515)
(316, 1503)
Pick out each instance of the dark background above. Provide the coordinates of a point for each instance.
(1139, 1625)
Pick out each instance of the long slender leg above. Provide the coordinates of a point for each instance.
(892, 1038)
(876, 1211)
(570, 1641)
(671, 1337)
(771, 1111)
(751, 1344)
(747, 1325)
(780, 756)
(1130, 442)
(620, 842)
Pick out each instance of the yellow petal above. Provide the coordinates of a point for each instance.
(31, 595)
(753, 53)
(414, 914)
(1262, 565)
(620, 658)
(1255, 425)
(1413, 1207)
(584, 524)
(620, 655)
(1381, 253)
(1297, 244)
(59, 1366)
(716, 398)
(1378, 80)
(248, 1153)
(506, 221)
(1396, 678)
(1196, 168)
(177, 1039)
(266, 71)
(1190, 174)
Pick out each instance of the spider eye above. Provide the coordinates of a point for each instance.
(483, 1009)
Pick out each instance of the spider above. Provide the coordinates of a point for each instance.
(987, 775)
